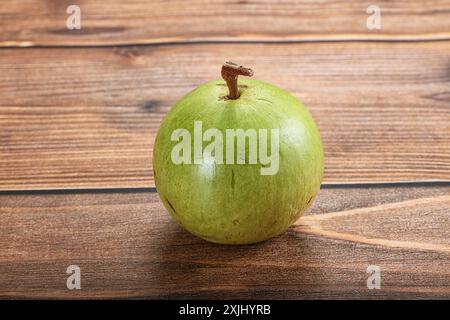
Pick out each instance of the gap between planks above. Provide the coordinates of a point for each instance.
(262, 40)
(153, 189)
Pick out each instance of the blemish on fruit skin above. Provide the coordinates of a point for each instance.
(233, 182)
(263, 99)
(171, 206)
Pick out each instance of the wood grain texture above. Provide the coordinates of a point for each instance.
(79, 117)
(40, 23)
(87, 118)
(403, 218)
(127, 246)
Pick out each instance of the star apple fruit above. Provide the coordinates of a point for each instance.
(228, 196)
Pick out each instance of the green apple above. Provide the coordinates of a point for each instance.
(237, 164)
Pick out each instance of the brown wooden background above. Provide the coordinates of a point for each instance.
(79, 111)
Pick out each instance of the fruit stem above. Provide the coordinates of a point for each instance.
(230, 73)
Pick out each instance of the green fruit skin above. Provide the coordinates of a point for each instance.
(234, 203)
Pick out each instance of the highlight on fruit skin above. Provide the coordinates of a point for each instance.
(237, 160)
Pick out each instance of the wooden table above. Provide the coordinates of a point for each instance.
(79, 113)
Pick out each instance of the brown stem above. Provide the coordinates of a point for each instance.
(230, 73)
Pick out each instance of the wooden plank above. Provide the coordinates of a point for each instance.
(38, 23)
(127, 246)
(87, 118)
